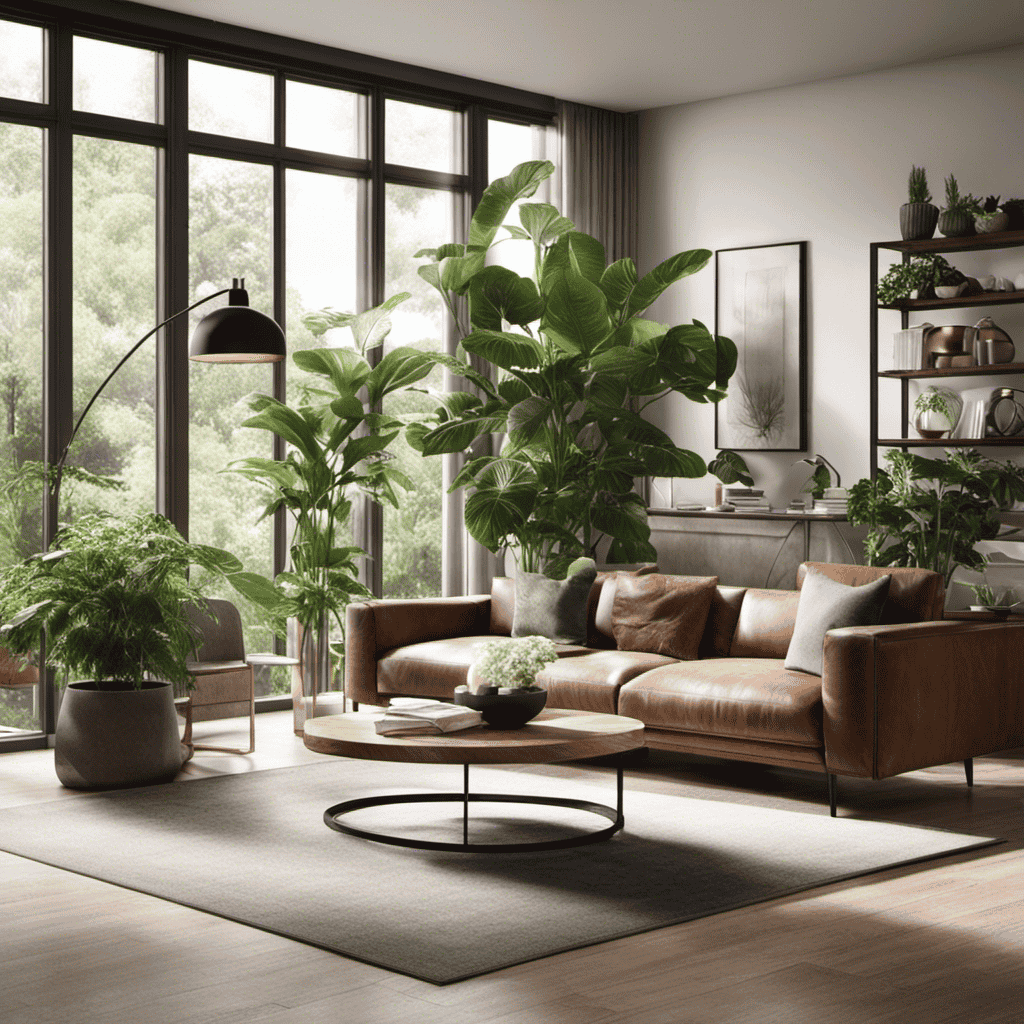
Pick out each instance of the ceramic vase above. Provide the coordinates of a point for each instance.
(918, 220)
(956, 223)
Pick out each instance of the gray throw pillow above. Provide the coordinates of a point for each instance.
(556, 609)
(824, 605)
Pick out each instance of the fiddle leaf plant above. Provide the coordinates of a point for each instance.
(337, 448)
(574, 364)
(930, 513)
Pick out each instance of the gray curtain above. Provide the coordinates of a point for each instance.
(598, 164)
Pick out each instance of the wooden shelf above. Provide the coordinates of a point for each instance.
(988, 370)
(969, 243)
(963, 302)
(946, 442)
(811, 517)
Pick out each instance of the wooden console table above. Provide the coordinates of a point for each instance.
(750, 549)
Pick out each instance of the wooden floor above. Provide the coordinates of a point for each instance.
(941, 942)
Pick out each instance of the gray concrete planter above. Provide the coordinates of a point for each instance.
(111, 739)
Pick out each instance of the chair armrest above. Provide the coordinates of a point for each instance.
(900, 697)
(374, 627)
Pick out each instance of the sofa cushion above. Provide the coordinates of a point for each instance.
(602, 596)
(662, 614)
(765, 624)
(722, 618)
(827, 604)
(436, 667)
(591, 681)
(746, 698)
(915, 595)
(503, 605)
(556, 609)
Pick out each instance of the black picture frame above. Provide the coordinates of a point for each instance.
(761, 303)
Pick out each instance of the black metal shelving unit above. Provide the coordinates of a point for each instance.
(971, 243)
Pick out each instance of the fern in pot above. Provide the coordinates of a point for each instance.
(109, 603)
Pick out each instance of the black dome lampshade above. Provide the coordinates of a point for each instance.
(236, 333)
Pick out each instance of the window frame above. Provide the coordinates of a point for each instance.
(176, 39)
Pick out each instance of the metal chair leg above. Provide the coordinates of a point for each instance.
(833, 792)
(969, 770)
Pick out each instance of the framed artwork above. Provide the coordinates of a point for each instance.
(760, 303)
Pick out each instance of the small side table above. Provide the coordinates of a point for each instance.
(270, 660)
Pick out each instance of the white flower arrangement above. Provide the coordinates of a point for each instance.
(515, 662)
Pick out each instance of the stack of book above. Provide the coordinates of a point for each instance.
(746, 499)
(407, 716)
(834, 503)
(908, 348)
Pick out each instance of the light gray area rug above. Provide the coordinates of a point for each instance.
(254, 848)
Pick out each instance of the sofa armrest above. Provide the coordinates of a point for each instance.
(375, 627)
(900, 697)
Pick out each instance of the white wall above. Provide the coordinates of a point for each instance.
(826, 163)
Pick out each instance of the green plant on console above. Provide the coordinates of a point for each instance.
(930, 513)
(337, 449)
(730, 468)
(920, 274)
(576, 364)
(110, 600)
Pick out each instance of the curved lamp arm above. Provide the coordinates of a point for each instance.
(820, 460)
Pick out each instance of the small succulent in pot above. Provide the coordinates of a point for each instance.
(1014, 209)
(989, 217)
(957, 217)
(513, 662)
(918, 216)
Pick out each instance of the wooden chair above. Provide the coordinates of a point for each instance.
(223, 678)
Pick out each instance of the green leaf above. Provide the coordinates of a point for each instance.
(520, 183)
(617, 282)
(460, 434)
(371, 328)
(730, 468)
(321, 321)
(528, 418)
(398, 369)
(543, 223)
(505, 349)
(346, 370)
(494, 513)
(497, 294)
(358, 448)
(576, 314)
(668, 272)
(289, 425)
(573, 253)
(670, 462)
(216, 560)
(257, 589)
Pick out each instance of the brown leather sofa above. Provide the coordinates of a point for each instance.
(911, 692)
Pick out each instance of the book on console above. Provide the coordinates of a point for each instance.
(412, 715)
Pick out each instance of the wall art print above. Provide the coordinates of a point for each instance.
(760, 303)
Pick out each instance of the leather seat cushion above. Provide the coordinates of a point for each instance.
(745, 698)
(436, 667)
(591, 681)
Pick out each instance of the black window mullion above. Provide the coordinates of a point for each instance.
(172, 416)
(279, 270)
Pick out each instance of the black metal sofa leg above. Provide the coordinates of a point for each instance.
(833, 792)
(969, 770)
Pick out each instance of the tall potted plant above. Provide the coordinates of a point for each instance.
(109, 600)
(575, 364)
(930, 513)
(918, 216)
(337, 448)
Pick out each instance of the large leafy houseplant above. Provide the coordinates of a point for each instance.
(575, 364)
(336, 449)
(930, 513)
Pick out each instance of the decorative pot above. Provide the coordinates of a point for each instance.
(989, 343)
(918, 220)
(112, 739)
(934, 423)
(950, 291)
(511, 710)
(986, 223)
(956, 223)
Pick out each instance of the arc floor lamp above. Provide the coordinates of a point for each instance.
(235, 333)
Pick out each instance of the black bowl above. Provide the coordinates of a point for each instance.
(506, 710)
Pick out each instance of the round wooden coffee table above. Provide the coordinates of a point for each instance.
(553, 736)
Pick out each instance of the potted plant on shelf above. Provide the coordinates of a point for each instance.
(337, 448)
(957, 217)
(919, 216)
(936, 411)
(989, 216)
(1014, 210)
(573, 365)
(920, 278)
(930, 513)
(110, 602)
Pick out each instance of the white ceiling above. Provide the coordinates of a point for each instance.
(633, 56)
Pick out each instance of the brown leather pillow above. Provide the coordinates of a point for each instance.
(662, 614)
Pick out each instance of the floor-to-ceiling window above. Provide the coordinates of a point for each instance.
(141, 170)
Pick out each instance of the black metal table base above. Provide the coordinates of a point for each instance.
(613, 814)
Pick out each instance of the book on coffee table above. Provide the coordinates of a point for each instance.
(408, 715)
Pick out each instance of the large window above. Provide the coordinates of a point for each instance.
(137, 177)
